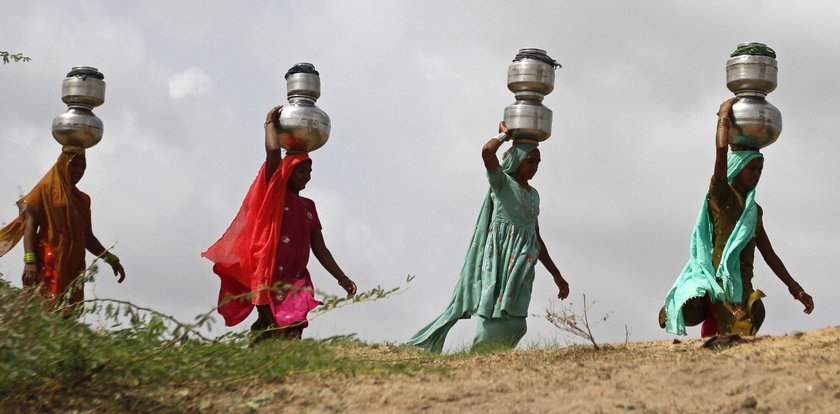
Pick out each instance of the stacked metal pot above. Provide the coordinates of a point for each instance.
(751, 74)
(303, 126)
(82, 90)
(530, 77)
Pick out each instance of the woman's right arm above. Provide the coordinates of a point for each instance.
(30, 270)
(488, 152)
(722, 137)
(273, 154)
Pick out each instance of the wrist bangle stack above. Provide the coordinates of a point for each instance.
(29, 258)
(723, 122)
(502, 137)
(110, 258)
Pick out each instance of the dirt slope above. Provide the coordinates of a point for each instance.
(791, 374)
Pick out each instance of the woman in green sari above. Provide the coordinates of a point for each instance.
(498, 271)
(715, 287)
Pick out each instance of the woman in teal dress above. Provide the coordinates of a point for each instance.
(498, 271)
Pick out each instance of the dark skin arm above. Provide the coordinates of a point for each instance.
(545, 259)
(93, 245)
(273, 154)
(488, 151)
(775, 263)
(722, 138)
(322, 253)
(30, 271)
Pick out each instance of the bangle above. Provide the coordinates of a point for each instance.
(723, 122)
(110, 258)
(29, 258)
(265, 124)
(502, 137)
(795, 290)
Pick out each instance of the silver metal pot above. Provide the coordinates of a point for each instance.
(530, 77)
(84, 86)
(752, 74)
(303, 84)
(82, 90)
(77, 127)
(528, 120)
(756, 123)
(303, 126)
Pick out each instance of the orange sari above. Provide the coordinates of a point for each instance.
(63, 215)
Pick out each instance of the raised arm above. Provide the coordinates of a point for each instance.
(273, 154)
(545, 259)
(488, 152)
(775, 263)
(722, 137)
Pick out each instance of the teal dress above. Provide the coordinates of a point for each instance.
(498, 273)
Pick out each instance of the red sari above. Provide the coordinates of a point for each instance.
(267, 244)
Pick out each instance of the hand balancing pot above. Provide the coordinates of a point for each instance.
(82, 90)
(751, 73)
(530, 77)
(303, 126)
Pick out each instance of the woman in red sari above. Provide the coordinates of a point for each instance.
(261, 259)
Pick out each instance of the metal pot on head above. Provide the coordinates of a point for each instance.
(530, 77)
(528, 120)
(751, 73)
(303, 126)
(756, 123)
(82, 90)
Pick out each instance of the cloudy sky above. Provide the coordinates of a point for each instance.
(414, 89)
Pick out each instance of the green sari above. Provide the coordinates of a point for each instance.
(498, 272)
(700, 277)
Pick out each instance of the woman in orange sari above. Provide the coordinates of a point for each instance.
(55, 225)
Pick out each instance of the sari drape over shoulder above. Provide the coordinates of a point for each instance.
(245, 256)
(699, 277)
(63, 215)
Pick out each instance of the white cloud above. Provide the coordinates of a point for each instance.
(193, 81)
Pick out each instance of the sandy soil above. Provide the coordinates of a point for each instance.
(791, 374)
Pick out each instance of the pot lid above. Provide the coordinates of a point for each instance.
(85, 72)
(536, 54)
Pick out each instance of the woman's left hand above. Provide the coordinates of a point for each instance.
(348, 285)
(806, 300)
(563, 285)
(118, 271)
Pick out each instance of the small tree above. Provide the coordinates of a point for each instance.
(567, 320)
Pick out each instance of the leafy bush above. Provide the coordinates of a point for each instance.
(49, 355)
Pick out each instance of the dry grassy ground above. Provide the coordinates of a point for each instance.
(791, 374)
